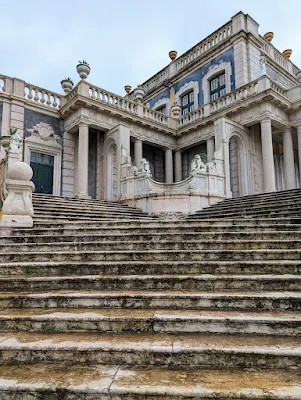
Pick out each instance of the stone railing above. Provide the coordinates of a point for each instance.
(204, 46)
(191, 117)
(155, 116)
(112, 99)
(199, 190)
(247, 91)
(30, 93)
(42, 96)
(209, 43)
(278, 57)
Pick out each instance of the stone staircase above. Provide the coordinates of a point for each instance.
(267, 205)
(99, 301)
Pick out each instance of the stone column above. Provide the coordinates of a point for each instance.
(267, 156)
(210, 149)
(83, 160)
(299, 149)
(288, 156)
(138, 153)
(168, 166)
(178, 166)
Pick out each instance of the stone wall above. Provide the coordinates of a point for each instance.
(68, 167)
(234, 173)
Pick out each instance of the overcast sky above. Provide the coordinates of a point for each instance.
(125, 41)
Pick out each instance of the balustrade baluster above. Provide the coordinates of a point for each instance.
(29, 96)
(42, 100)
(36, 96)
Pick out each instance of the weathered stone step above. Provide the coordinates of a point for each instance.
(273, 201)
(152, 282)
(285, 212)
(80, 217)
(183, 299)
(173, 350)
(104, 230)
(152, 237)
(153, 255)
(149, 321)
(59, 268)
(108, 382)
(107, 245)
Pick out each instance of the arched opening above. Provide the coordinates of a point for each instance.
(239, 167)
(111, 172)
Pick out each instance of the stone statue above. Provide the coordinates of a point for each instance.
(145, 167)
(197, 165)
(262, 63)
(15, 143)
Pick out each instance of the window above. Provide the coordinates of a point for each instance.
(187, 103)
(162, 110)
(218, 87)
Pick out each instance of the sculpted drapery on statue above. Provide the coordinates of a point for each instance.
(145, 167)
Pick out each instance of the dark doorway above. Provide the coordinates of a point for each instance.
(42, 166)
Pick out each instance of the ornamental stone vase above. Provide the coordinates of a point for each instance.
(5, 141)
(175, 110)
(139, 94)
(67, 85)
(83, 70)
(269, 36)
(287, 53)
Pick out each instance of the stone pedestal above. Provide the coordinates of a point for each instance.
(17, 210)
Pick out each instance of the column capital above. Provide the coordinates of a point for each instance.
(265, 120)
(83, 124)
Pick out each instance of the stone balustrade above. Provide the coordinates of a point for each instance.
(155, 116)
(42, 96)
(278, 57)
(204, 46)
(112, 99)
(191, 117)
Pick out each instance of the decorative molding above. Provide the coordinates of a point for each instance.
(212, 72)
(165, 101)
(44, 140)
(192, 85)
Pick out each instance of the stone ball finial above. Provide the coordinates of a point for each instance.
(268, 36)
(172, 55)
(20, 171)
(128, 88)
(287, 53)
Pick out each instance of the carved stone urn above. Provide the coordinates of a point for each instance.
(67, 85)
(83, 69)
(5, 141)
(269, 36)
(175, 110)
(287, 53)
(128, 88)
(172, 55)
(139, 94)
(298, 76)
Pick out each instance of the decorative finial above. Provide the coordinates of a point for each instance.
(83, 69)
(287, 53)
(128, 88)
(172, 55)
(268, 36)
(67, 85)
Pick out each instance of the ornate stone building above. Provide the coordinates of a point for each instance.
(233, 99)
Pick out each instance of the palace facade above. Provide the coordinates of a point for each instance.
(233, 100)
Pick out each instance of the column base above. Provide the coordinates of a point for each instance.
(83, 196)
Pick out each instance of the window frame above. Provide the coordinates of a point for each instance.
(219, 87)
(189, 106)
